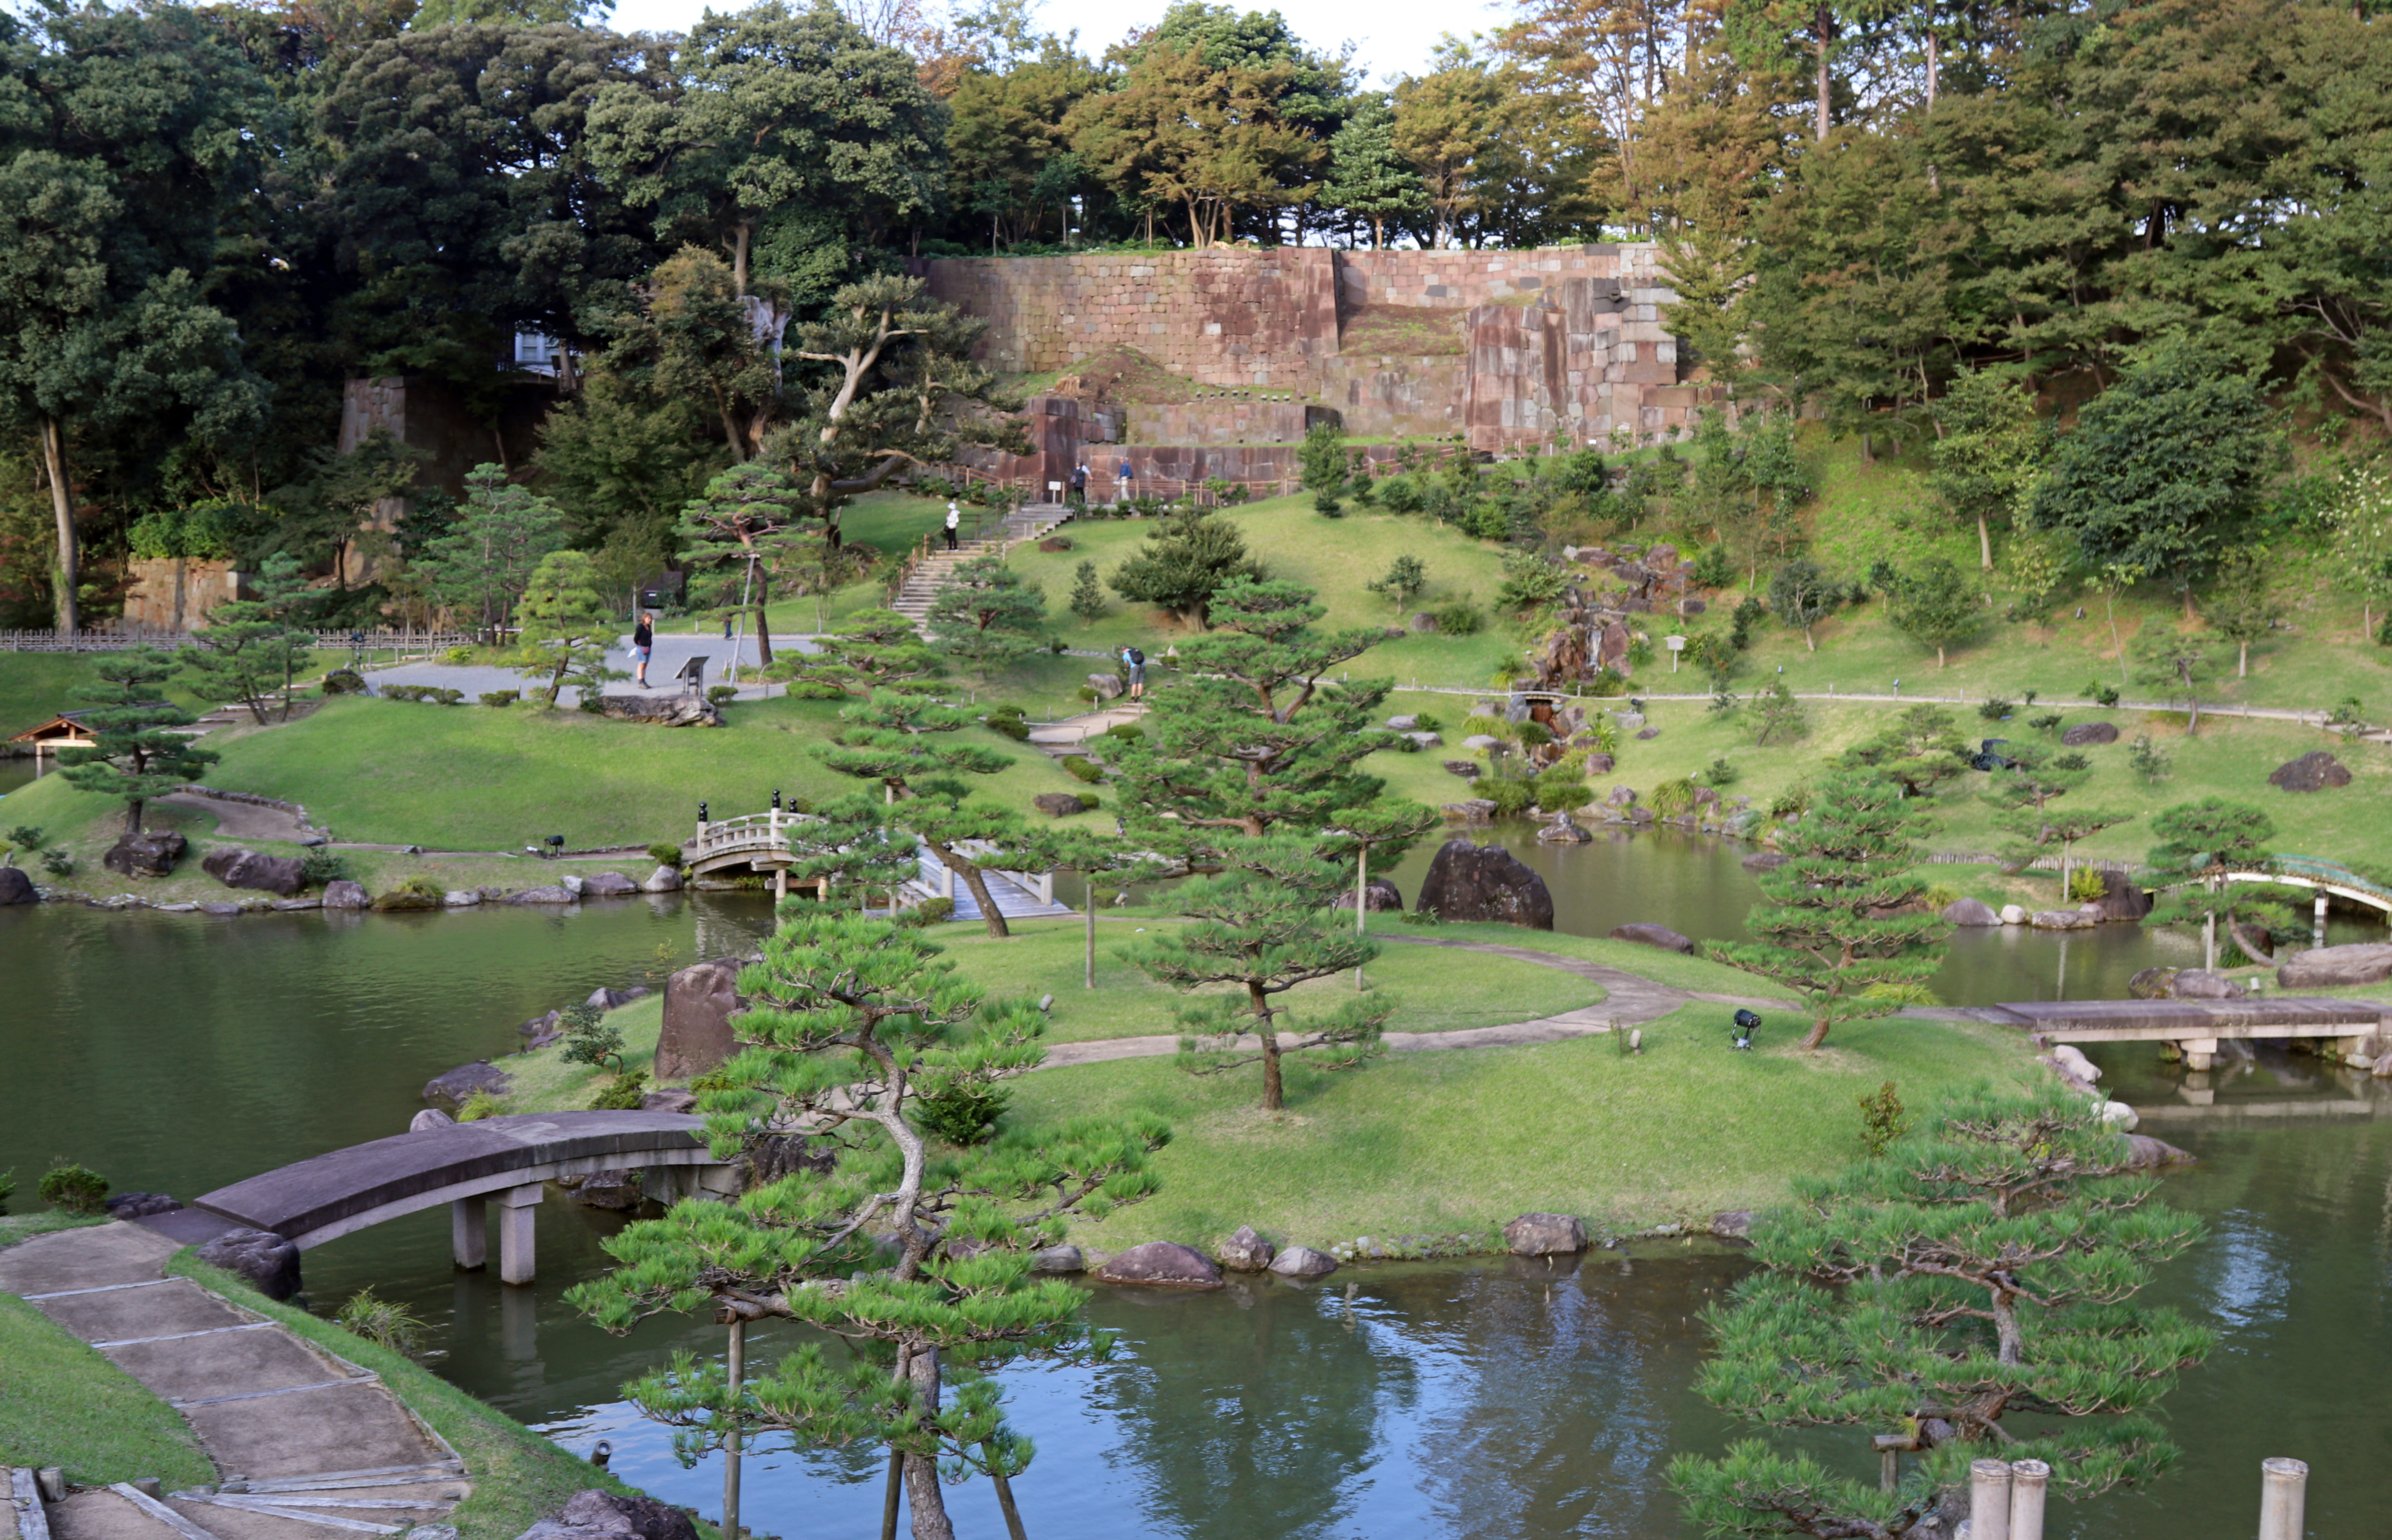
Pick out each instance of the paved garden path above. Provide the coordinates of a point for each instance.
(1627, 1000)
(307, 1446)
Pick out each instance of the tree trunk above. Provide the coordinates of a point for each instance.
(739, 259)
(1817, 1034)
(922, 1490)
(54, 462)
(1809, 641)
(2243, 660)
(1013, 1529)
(1985, 544)
(763, 626)
(133, 815)
(970, 872)
(1274, 1098)
(1933, 68)
(1823, 18)
(1938, 656)
(889, 1502)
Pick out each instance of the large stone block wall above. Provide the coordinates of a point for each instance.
(1558, 339)
(174, 593)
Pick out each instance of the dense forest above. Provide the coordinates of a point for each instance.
(215, 215)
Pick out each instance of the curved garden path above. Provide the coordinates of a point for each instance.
(302, 1442)
(1628, 1000)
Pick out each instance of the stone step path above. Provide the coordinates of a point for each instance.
(308, 1446)
(1072, 734)
(1629, 1000)
(920, 589)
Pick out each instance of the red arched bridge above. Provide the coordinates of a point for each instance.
(465, 1166)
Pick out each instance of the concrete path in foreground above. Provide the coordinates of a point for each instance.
(1627, 1000)
(308, 1446)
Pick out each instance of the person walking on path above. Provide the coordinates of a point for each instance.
(1125, 485)
(955, 517)
(644, 642)
(1133, 663)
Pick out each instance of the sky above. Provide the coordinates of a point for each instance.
(1392, 37)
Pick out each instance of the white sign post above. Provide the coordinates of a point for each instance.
(1676, 644)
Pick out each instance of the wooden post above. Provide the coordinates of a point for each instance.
(469, 1233)
(517, 1207)
(1361, 905)
(737, 1367)
(2283, 1498)
(1989, 1499)
(2028, 1480)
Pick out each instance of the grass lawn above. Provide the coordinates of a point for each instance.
(63, 1403)
(517, 1475)
(1460, 1141)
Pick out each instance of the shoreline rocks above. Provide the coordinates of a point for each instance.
(1647, 935)
(280, 876)
(1485, 882)
(1540, 1235)
(269, 1263)
(1159, 1265)
(2326, 967)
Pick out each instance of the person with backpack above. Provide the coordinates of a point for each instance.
(1080, 485)
(955, 517)
(1134, 671)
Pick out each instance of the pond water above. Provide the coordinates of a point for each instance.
(1493, 1399)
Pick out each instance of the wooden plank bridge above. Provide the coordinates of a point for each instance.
(2195, 1026)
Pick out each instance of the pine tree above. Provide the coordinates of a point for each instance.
(1803, 595)
(2181, 666)
(1977, 1275)
(1368, 180)
(1828, 929)
(2069, 824)
(2021, 795)
(137, 752)
(1921, 751)
(1987, 453)
(565, 628)
(1087, 598)
(248, 650)
(855, 1023)
(1406, 577)
(484, 561)
(2199, 844)
(987, 615)
(1260, 730)
(751, 525)
(1935, 606)
(1261, 924)
(872, 650)
(1186, 558)
(902, 741)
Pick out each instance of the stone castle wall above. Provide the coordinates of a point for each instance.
(1559, 341)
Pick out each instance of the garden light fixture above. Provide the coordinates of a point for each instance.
(1747, 1023)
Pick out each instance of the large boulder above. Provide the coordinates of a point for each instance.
(2326, 967)
(1161, 1264)
(461, 897)
(1380, 897)
(2202, 984)
(700, 1002)
(541, 1030)
(1485, 882)
(595, 1515)
(1970, 911)
(269, 1263)
(1057, 1260)
(661, 710)
(150, 854)
(1481, 741)
(2086, 734)
(2063, 919)
(1770, 861)
(2151, 984)
(614, 999)
(1058, 804)
(1467, 769)
(1303, 1262)
(617, 1190)
(608, 885)
(1245, 1252)
(2122, 897)
(664, 879)
(430, 1120)
(407, 899)
(2144, 1152)
(2313, 772)
(1645, 934)
(553, 893)
(16, 887)
(1563, 829)
(457, 1086)
(1544, 1235)
(1426, 740)
(280, 876)
(1470, 810)
(1106, 686)
(345, 894)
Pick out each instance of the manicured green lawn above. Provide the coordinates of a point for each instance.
(518, 1476)
(63, 1403)
(1436, 1143)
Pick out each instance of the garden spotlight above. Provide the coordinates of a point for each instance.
(701, 814)
(1747, 1023)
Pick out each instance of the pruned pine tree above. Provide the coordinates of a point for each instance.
(872, 650)
(851, 852)
(1803, 596)
(248, 651)
(1261, 731)
(137, 750)
(1186, 558)
(987, 615)
(1971, 1292)
(482, 564)
(1258, 928)
(2068, 823)
(1117, 860)
(1385, 830)
(2022, 795)
(565, 628)
(902, 740)
(1921, 751)
(1087, 598)
(2245, 603)
(854, 1022)
(2199, 844)
(751, 525)
(1829, 928)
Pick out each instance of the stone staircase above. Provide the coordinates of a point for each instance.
(927, 572)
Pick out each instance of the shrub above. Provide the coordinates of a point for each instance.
(481, 1104)
(1511, 797)
(1941, 895)
(929, 911)
(25, 837)
(57, 864)
(1994, 710)
(2085, 884)
(1671, 798)
(1084, 769)
(1792, 803)
(75, 1189)
(1741, 621)
(1713, 569)
(962, 1112)
(2106, 694)
(458, 656)
(2070, 762)
(343, 681)
(1459, 618)
(2045, 724)
(7, 1188)
(1009, 720)
(1883, 1120)
(499, 700)
(1400, 494)
(1722, 774)
(1328, 504)
(590, 1038)
(1086, 692)
(379, 1321)
(1423, 722)
(623, 1093)
(720, 695)
(320, 867)
(2147, 759)
(665, 853)
(1564, 795)
(429, 694)
(2346, 713)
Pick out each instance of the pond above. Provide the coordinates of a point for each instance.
(1489, 1398)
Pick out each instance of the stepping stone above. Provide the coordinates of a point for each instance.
(121, 1315)
(353, 1426)
(121, 1252)
(222, 1362)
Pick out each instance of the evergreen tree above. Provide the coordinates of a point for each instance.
(2199, 844)
(2245, 606)
(1385, 829)
(485, 560)
(1828, 929)
(900, 739)
(1971, 1292)
(872, 650)
(1095, 856)
(1802, 595)
(2021, 795)
(2069, 824)
(1935, 606)
(1261, 926)
(2180, 666)
(565, 628)
(750, 526)
(1987, 453)
(1261, 733)
(856, 1023)
(1087, 598)
(1921, 751)
(987, 615)
(1777, 716)
(1368, 179)
(1406, 577)
(248, 650)
(136, 751)
(1187, 557)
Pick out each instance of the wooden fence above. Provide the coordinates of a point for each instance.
(404, 641)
